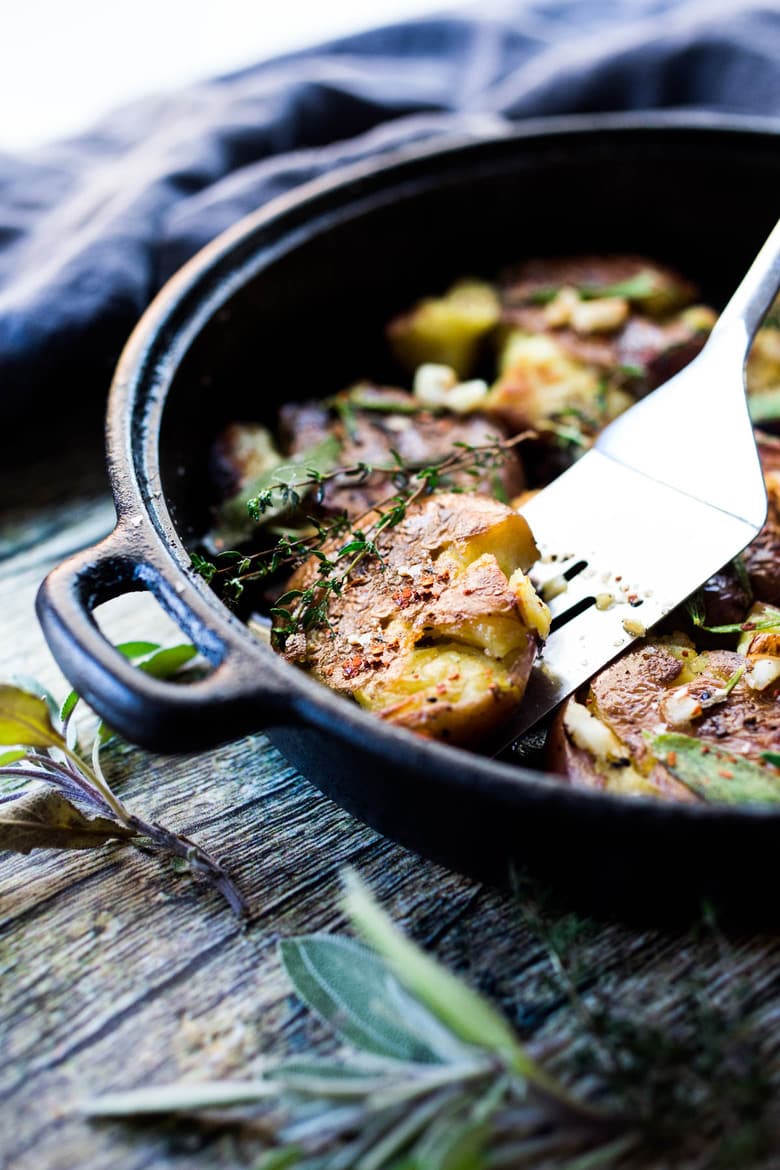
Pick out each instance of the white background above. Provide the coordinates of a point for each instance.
(63, 63)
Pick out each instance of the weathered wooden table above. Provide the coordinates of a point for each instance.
(117, 970)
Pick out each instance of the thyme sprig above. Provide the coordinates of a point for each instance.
(304, 609)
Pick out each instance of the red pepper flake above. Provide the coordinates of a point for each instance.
(705, 751)
(724, 772)
(671, 758)
(403, 597)
(353, 666)
(633, 599)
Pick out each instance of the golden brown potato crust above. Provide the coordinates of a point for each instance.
(438, 636)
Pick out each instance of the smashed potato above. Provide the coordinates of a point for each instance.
(661, 699)
(440, 635)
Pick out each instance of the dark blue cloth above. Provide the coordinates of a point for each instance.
(90, 228)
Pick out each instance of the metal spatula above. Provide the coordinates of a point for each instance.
(671, 491)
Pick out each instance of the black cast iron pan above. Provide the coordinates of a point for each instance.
(290, 303)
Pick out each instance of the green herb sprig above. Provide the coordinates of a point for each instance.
(304, 609)
(54, 795)
(432, 1077)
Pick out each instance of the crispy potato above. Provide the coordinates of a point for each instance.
(440, 635)
(600, 738)
(447, 330)
(539, 384)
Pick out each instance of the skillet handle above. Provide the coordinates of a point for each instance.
(233, 700)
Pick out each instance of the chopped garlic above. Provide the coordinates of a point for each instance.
(559, 310)
(634, 628)
(599, 316)
(437, 387)
(590, 734)
(605, 600)
(432, 381)
(680, 708)
(762, 672)
(554, 587)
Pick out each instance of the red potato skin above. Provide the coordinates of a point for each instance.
(628, 696)
(576, 766)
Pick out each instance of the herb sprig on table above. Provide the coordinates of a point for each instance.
(432, 1077)
(304, 609)
(55, 795)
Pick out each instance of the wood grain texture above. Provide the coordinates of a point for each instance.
(116, 970)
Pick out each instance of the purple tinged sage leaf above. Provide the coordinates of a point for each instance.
(41, 818)
(25, 720)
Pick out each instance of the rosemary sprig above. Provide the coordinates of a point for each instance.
(307, 608)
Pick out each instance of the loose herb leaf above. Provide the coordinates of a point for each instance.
(695, 607)
(635, 288)
(348, 986)
(713, 774)
(12, 756)
(25, 720)
(178, 1098)
(41, 818)
(771, 758)
(167, 662)
(462, 1010)
(271, 494)
(764, 406)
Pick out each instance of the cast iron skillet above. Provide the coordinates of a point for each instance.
(290, 303)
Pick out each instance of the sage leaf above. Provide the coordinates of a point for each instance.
(327, 1078)
(25, 720)
(713, 774)
(279, 1160)
(167, 662)
(461, 1009)
(348, 986)
(234, 520)
(178, 1098)
(42, 818)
